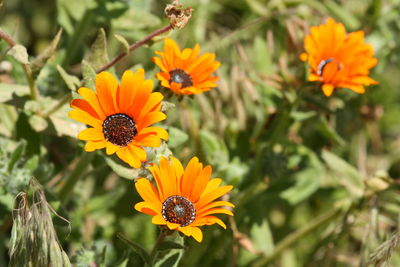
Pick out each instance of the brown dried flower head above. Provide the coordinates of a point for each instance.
(177, 15)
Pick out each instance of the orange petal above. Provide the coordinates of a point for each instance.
(172, 226)
(215, 204)
(93, 145)
(154, 100)
(126, 155)
(94, 134)
(160, 132)
(211, 186)
(204, 200)
(91, 97)
(111, 148)
(158, 219)
(106, 87)
(147, 191)
(85, 118)
(147, 208)
(138, 151)
(155, 171)
(214, 211)
(328, 89)
(150, 118)
(189, 176)
(201, 183)
(208, 220)
(126, 90)
(85, 106)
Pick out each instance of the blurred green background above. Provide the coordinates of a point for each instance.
(316, 179)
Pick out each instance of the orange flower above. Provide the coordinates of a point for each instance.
(120, 116)
(338, 59)
(185, 72)
(184, 198)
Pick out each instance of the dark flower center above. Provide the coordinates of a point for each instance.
(178, 209)
(119, 129)
(180, 76)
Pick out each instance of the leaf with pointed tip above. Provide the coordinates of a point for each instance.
(89, 75)
(42, 59)
(99, 56)
(71, 81)
(136, 248)
(20, 53)
(123, 41)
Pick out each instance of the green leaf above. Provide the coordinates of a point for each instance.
(171, 259)
(123, 41)
(128, 173)
(263, 61)
(346, 174)
(170, 245)
(7, 90)
(89, 75)
(177, 137)
(71, 81)
(307, 182)
(38, 123)
(16, 155)
(20, 53)
(136, 248)
(42, 59)
(99, 55)
(262, 237)
(213, 147)
(329, 132)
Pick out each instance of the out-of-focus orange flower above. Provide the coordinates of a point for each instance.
(184, 198)
(185, 72)
(338, 59)
(120, 116)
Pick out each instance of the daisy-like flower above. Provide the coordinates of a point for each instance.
(184, 198)
(185, 72)
(338, 59)
(120, 116)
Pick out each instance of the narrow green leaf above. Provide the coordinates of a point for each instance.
(128, 173)
(42, 59)
(346, 174)
(123, 41)
(16, 155)
(71, 81)
(99, 55)
(89, 75)
(20, 53)
(170, 245)
(136, 248)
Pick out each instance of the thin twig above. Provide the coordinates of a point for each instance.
(136, 45)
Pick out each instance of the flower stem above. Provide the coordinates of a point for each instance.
(136, 45)
(75, 175)
(26, 67)
(288, 241)
(160, 239)
(65, 99)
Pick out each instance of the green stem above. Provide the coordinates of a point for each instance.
(160, 239)
(77, 37)
(31, 82)
(65, 99)
(288, 241)
(75, 175)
